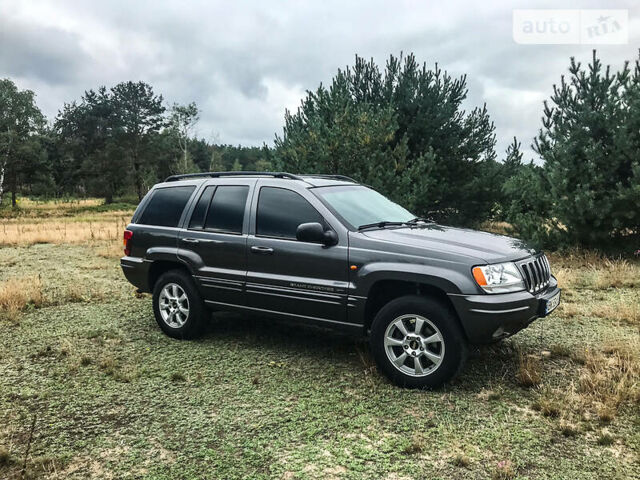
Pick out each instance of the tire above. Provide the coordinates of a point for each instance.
(441, 357)
(177, 305)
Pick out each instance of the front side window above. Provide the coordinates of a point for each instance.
(166, 206)
(226, 211)
(359, 205)
(280, 211)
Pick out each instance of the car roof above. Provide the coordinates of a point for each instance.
(318, 181)
(312, 180)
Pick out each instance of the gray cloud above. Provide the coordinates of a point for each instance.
(43, 53)
(245, 62)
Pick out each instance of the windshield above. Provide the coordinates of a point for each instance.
(358, 205)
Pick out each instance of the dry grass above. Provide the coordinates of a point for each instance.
(461, 460)
(29, 231)
(17, 294)
(114, 249)
(549, 404)
(569, 429)
(77, 293)
(587, 269)
(504, 471)
(501, 228)
(608, 379)
(47, 205)
(529, 371)
(611, 377)
(623, 309)
(73, 222)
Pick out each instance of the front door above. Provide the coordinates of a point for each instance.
(285, 276)
(214, 243)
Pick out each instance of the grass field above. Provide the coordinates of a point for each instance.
(90, 387)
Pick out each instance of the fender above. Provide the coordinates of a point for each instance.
(448, 280)
(191, 259)
(166, 254)
(158, 254)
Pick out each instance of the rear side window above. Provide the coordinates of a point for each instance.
(280, 211)
(197, 217)
(226, 212)
(166, 206)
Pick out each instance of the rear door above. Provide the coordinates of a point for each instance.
(156, 227)
(214, 240)
(296, 279)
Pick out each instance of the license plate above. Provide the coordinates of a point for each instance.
(552, 303)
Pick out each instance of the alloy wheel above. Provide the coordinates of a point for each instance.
(174, 305)
(414, 345)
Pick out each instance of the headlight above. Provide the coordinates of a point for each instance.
(499, 278)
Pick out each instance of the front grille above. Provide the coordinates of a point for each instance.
(536, 272)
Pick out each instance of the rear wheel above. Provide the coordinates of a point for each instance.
(177, 305)
(417, 342)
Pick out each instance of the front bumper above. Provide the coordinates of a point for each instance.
(487, 318)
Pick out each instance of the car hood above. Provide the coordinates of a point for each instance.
(485, 246)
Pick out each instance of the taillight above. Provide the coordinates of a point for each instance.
(128, 235)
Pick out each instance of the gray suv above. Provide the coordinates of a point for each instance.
(325, 250)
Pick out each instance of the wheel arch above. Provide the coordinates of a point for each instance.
(383, 291)
(159, 267)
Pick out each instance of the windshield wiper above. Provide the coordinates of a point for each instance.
(382, 224)
(388, 223)
(416, 220)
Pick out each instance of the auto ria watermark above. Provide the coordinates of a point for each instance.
(571, 27)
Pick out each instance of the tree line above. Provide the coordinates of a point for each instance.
(109, 143)
(400, 128)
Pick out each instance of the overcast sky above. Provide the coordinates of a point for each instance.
(245, 62)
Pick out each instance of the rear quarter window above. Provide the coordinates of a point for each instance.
(165, 207)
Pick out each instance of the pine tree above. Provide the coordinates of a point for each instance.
(21, 124)
(513, 160)
(402, 131)
(589, 143)
(140, 113)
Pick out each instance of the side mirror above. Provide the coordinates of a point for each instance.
(313, 232)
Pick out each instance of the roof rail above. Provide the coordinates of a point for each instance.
(185, 176)
(333, 177)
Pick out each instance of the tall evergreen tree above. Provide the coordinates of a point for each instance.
(21, 123)
(140, 113)
(589, 143)
(513, 159)
(89, 132)
(402, 130)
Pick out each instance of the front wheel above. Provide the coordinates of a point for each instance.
(417, 342)
(178, 308)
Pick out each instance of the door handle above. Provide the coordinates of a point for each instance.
(190, 240)
(262, 250)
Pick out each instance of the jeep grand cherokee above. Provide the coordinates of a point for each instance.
(323, 249)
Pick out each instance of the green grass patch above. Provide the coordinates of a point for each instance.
(113, 397)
